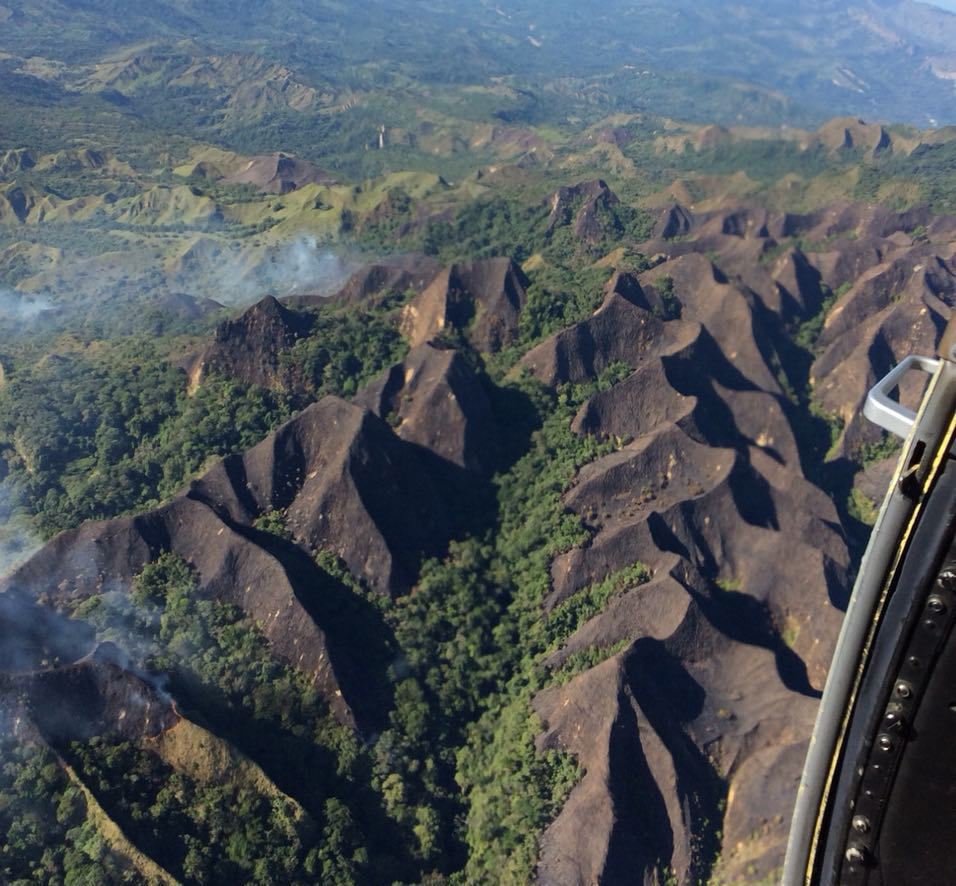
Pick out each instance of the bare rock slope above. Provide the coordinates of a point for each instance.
(481, 299)
(709, 494)
(248, 347)
(715, 664)
(100, 697)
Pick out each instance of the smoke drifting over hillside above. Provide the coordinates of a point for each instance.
(21, 307)
(33, 636)
(285, 269)
(17, 543)
(143, 288)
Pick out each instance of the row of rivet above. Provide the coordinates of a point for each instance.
(877, 774)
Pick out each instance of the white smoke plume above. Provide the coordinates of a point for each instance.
(303, 267)
(23, 307)
(295, 267)
(181, 280)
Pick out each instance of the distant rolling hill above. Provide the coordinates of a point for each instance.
(892, 60)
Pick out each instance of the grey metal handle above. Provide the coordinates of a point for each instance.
(887, 413)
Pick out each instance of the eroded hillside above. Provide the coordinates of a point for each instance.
(562, 580)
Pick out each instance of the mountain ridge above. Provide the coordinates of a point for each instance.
(700, 481)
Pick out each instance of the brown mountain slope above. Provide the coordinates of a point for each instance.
(480, 298)
(586, 206)
(622, 330)
(710, 495)
(277, 173)
(95, 695)
(345, 483)
(895, 271)
(100, 700)
(248, 347)
(654, 726)
(898, 307)
(435, 400)
(398, 274)
(733, 644)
